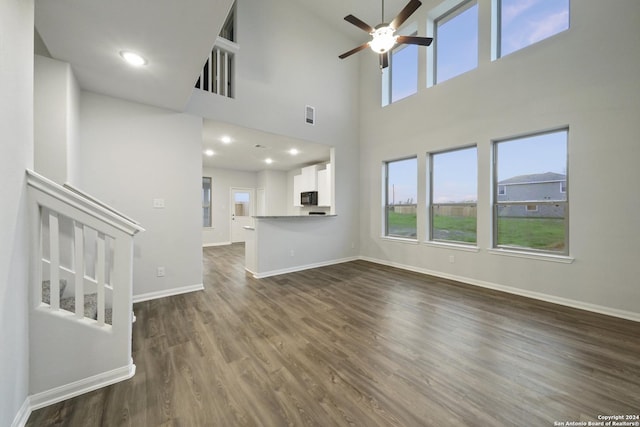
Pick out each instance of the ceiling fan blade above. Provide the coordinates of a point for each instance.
(384, 60)
(358, 23)
(405, 13)
(422, 41)
(355, 50)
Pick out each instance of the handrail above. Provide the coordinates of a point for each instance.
(81, 201)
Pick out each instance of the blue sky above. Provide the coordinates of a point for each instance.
(456, 172)
(523, 22)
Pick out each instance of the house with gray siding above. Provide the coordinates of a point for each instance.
(532, 188)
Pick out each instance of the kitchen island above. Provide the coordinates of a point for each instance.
(286, 243)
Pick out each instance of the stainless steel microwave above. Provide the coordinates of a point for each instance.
(309, 198)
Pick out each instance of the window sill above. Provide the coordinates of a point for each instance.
(563, 259)
(454, 246)
(400, 240)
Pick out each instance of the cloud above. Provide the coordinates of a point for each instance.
(515, 9)
(549, 26)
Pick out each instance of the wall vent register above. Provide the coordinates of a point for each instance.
(310, 115)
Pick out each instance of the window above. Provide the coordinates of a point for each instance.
(206, 201)
(532, 214)
(456, 39)
(400, 78)
(454, 195)
(524, 22)
(502, 190)
(401, 190)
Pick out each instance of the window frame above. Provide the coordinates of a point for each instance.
(210, 206)
(496, 30)
(450, 14)
(385, 201)
(496, 203)
(431, 213)
(387, 74)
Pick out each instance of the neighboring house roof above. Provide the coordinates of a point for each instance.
(534, 178)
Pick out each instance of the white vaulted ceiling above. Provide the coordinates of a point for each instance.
(174, 36)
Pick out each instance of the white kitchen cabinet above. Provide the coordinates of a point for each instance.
(310, 178)
(297, 189)
(324, 186)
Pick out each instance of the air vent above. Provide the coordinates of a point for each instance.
(310, 115)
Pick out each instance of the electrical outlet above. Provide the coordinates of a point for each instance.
(452, 259)
(160, 272)
(158, 203)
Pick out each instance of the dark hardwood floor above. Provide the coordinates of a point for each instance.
(364, 345)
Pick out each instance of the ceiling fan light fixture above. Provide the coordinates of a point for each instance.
(383, 39)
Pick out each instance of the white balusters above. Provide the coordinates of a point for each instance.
(78, 265)
(100, 276)
(54, 261)
(217, 74)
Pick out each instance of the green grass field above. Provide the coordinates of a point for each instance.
(536, 233)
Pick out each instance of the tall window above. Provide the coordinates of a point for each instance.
(456, 38)
(531, 193)
(206, 201)
(401, 198)
(400, 78)
(454, 195)
(524, 22)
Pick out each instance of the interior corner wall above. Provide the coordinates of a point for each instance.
(222, 180)
(133, 156)
(274, 184)
(576, 78)
(56, 98)
(16, 155)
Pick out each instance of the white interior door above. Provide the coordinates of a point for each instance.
(241, 212)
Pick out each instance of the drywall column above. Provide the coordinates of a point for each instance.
(56, 111)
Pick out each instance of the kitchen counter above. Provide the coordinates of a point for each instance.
(293, 216)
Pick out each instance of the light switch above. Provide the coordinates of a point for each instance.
(158, 203)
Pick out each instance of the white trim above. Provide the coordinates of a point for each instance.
(563, 259)
(209, 245)
(409, 240)
(452, 245)
(76, 388)
(595, 308)
(167, 293)
(301, 267)
(21, 418)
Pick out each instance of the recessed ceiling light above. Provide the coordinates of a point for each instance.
(226, 139)
(293, 151)
(209, 152)
(268, 160)
(133, 58)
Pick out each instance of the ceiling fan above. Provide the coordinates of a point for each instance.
(383, 39)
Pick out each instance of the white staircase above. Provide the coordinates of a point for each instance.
(80, 301)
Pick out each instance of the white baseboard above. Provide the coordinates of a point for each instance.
(21, 418)
(209, 245)
(623, 314)
(58, 394)
(301, 267)
(167, 293)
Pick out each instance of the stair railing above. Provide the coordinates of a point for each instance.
(84, 250)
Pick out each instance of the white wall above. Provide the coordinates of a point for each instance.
(16, 154)
(56, 111)
(132, 154)
(275, 187)
(222, 181)
(282, 67)
(582, 78)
